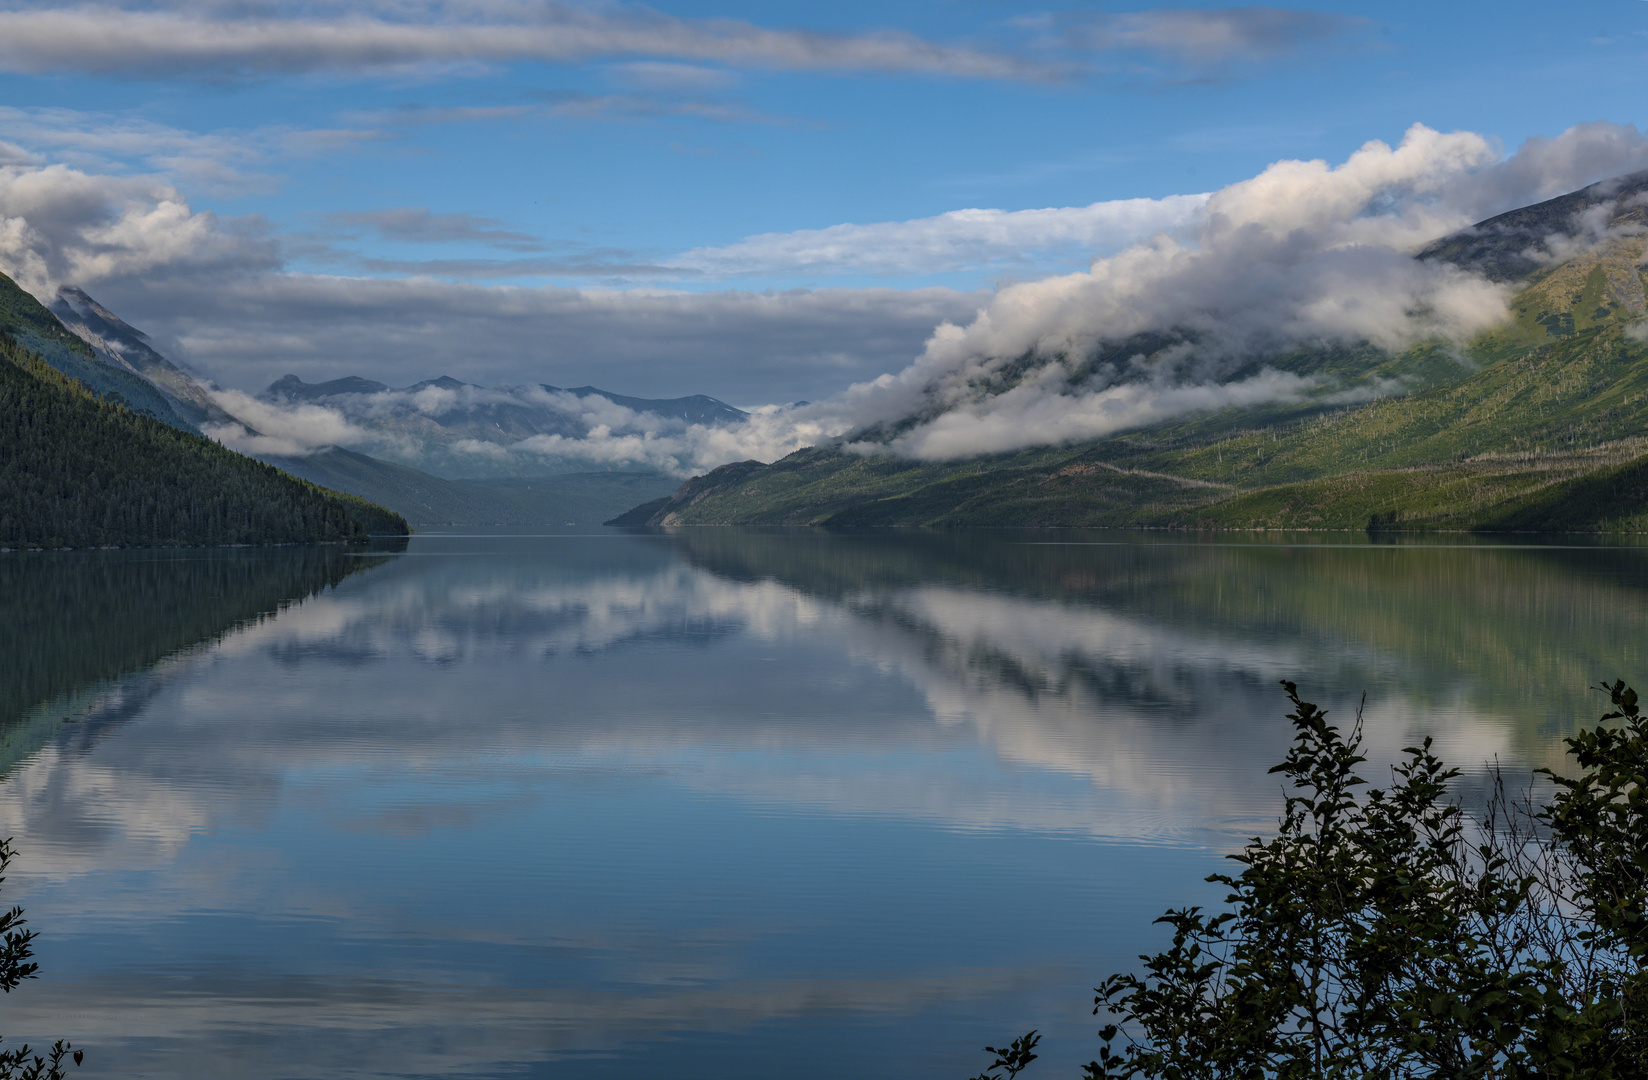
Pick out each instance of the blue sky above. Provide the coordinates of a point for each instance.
(628, 195)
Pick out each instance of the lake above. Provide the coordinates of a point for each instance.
(711, 803)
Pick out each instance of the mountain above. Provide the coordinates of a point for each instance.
(1541, 424)
(118, 362)
(123, 347)
(574, 498)
(458, 430)
(1501, 247)
(697, 409)
(83, 469)
(292, 388)
(28, 323)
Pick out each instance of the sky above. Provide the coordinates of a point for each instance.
(760, 202)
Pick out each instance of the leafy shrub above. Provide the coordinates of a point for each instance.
(15, 966)
(1384, 934)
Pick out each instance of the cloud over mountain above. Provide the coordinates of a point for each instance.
(1303, 253)
(465, 430)
(64, 226)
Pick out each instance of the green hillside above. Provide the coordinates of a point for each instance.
(77, 470)
(1541, 425)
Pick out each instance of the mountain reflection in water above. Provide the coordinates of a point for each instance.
(705, 803)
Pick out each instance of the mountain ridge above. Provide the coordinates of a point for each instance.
(123, 346)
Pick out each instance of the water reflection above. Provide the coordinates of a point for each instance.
(713, 803)
(72, 625)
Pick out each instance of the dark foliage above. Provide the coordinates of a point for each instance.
(79, 471)
(16, 948)
(1383, 934)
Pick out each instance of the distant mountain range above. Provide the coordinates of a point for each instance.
(586, 498)
(1541, 425)
(697, 409)
(461, 431)
(81, 339)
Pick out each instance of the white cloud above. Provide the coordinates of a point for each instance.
(281, 430)
(1028, 415)
(1303, 252)
(59, 225)
(662, 75)
(743, 347)
(413, 426)
(960, 239)
(212, 291)
(205, 39)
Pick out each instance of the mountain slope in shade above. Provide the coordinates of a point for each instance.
(78, 470)
(423, 499)
(31, 325)
(1508, 247)
(121, 345)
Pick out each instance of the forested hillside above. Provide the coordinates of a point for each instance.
(80, 471)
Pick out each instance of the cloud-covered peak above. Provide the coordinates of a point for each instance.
(1305, 252)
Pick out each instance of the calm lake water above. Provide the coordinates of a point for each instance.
(715, 803)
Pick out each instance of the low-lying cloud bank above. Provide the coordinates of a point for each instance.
(455, 430)
(1304, 253)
